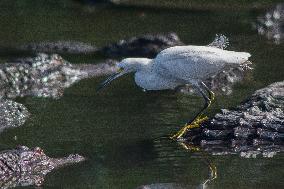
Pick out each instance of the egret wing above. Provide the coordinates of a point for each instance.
(195, 62)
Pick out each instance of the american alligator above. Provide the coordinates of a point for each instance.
(254, 127)
(271, 24)
(71, 47)
(12, 114)
(23, 166)
(144, 46)
(46, 76)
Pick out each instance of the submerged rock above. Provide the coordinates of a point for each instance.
(72, 47)
(23, 166)
(254, 127)
(144, 46)
(12, 114)
(271, 24)
(46, 76)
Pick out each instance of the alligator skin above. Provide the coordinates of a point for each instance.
(23, 166)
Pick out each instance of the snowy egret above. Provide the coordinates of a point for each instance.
(182, 65)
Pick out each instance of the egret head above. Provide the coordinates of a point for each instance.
(127, 65)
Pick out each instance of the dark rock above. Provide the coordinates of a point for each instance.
(12, 114)
(71, 47)
(23, 166)
(144, 46)
(46, 76)
(271, 24)
(254, 127)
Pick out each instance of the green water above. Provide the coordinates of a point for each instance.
(119, 130)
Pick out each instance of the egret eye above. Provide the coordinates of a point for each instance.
(120, 69)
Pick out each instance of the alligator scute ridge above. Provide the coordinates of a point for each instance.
(252, 128)
(12, 114)
(24, 166)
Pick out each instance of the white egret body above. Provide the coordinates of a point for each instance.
(181, 65)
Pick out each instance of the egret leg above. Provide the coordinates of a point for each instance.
(211, 93)
(198, 119)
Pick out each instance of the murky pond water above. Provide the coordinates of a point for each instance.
(120, 130)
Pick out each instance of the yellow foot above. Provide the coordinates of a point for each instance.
(195, 124)
(189, 147)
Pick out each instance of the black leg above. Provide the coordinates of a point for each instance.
(206, 105)
(210, 93)
(196, 121)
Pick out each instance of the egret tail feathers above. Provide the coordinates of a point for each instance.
(220, 41)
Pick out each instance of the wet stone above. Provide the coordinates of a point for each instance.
(254, 127)
(23, 166)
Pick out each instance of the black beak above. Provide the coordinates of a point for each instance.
(109, 80)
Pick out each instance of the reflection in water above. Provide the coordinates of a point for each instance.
(271, 24)
(168, 154)
(204, 156)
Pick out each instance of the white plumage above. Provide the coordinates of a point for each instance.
(181, 65)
